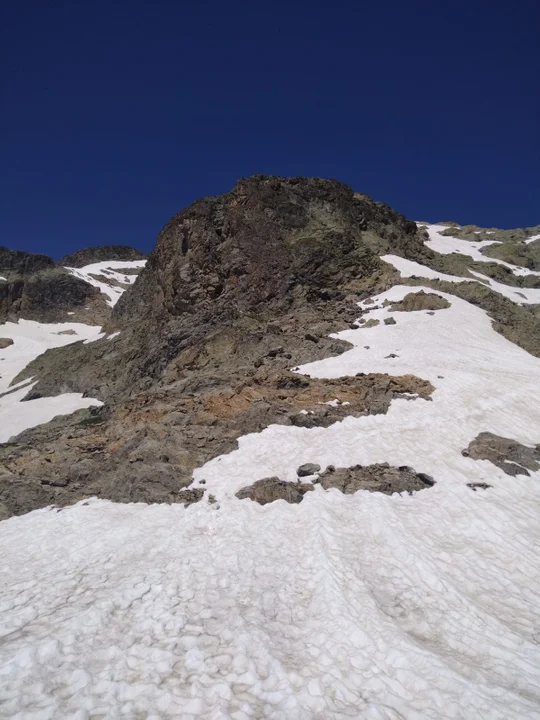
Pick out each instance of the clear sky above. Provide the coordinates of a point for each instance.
(115, 115)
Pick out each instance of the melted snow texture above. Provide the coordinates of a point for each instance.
(111, 269)
(364, 606)
(31, 339)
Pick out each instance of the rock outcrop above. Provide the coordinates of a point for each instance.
(238, 289)
(100, 253)
(509, 455)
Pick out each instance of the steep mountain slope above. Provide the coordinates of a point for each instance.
(342, 418)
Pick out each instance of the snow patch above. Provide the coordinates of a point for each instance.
(111, 269)
(31, 339)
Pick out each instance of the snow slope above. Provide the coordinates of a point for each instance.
(446, 245)
(31, 339)
(111, 270)
(364, 606)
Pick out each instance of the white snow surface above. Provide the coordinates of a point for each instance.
(31, 339)
(532, 239)
(365, 606)
(3, 278)
(110, 269)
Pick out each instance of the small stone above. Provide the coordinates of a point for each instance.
(275, 351)
(392, 355)
(389, 321)
(5, 342)
(308, 469)
(312, 338)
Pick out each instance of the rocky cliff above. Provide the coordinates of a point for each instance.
(208, 333)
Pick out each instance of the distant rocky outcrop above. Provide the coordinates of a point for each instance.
(100, 253)
(22, 263)
(48, 295)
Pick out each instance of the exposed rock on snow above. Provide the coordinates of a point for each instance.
(509, 455)
(269, 490)
(123, 450)
(375, 478)
(5, 342)
(308, 469)
(420, 301)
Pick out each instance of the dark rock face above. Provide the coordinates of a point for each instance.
(509, 455)
(90, 255)
(271, 489)
(23, 263)
(375, 478)
(47, 295)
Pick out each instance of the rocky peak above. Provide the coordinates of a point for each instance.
(268, 242)
(22, 262)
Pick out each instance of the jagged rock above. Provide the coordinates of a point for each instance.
(375, 478)
(100, 253)
(5, 342)
(308, 469)
(389, 321)
(507, 454)
(271, 489)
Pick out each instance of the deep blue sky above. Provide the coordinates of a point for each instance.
(115, 115)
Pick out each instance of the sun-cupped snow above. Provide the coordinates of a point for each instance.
(31, 339)
(369, 606)
(109, 270)
(446, 245)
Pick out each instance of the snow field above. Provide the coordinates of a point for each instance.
(364, 606)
